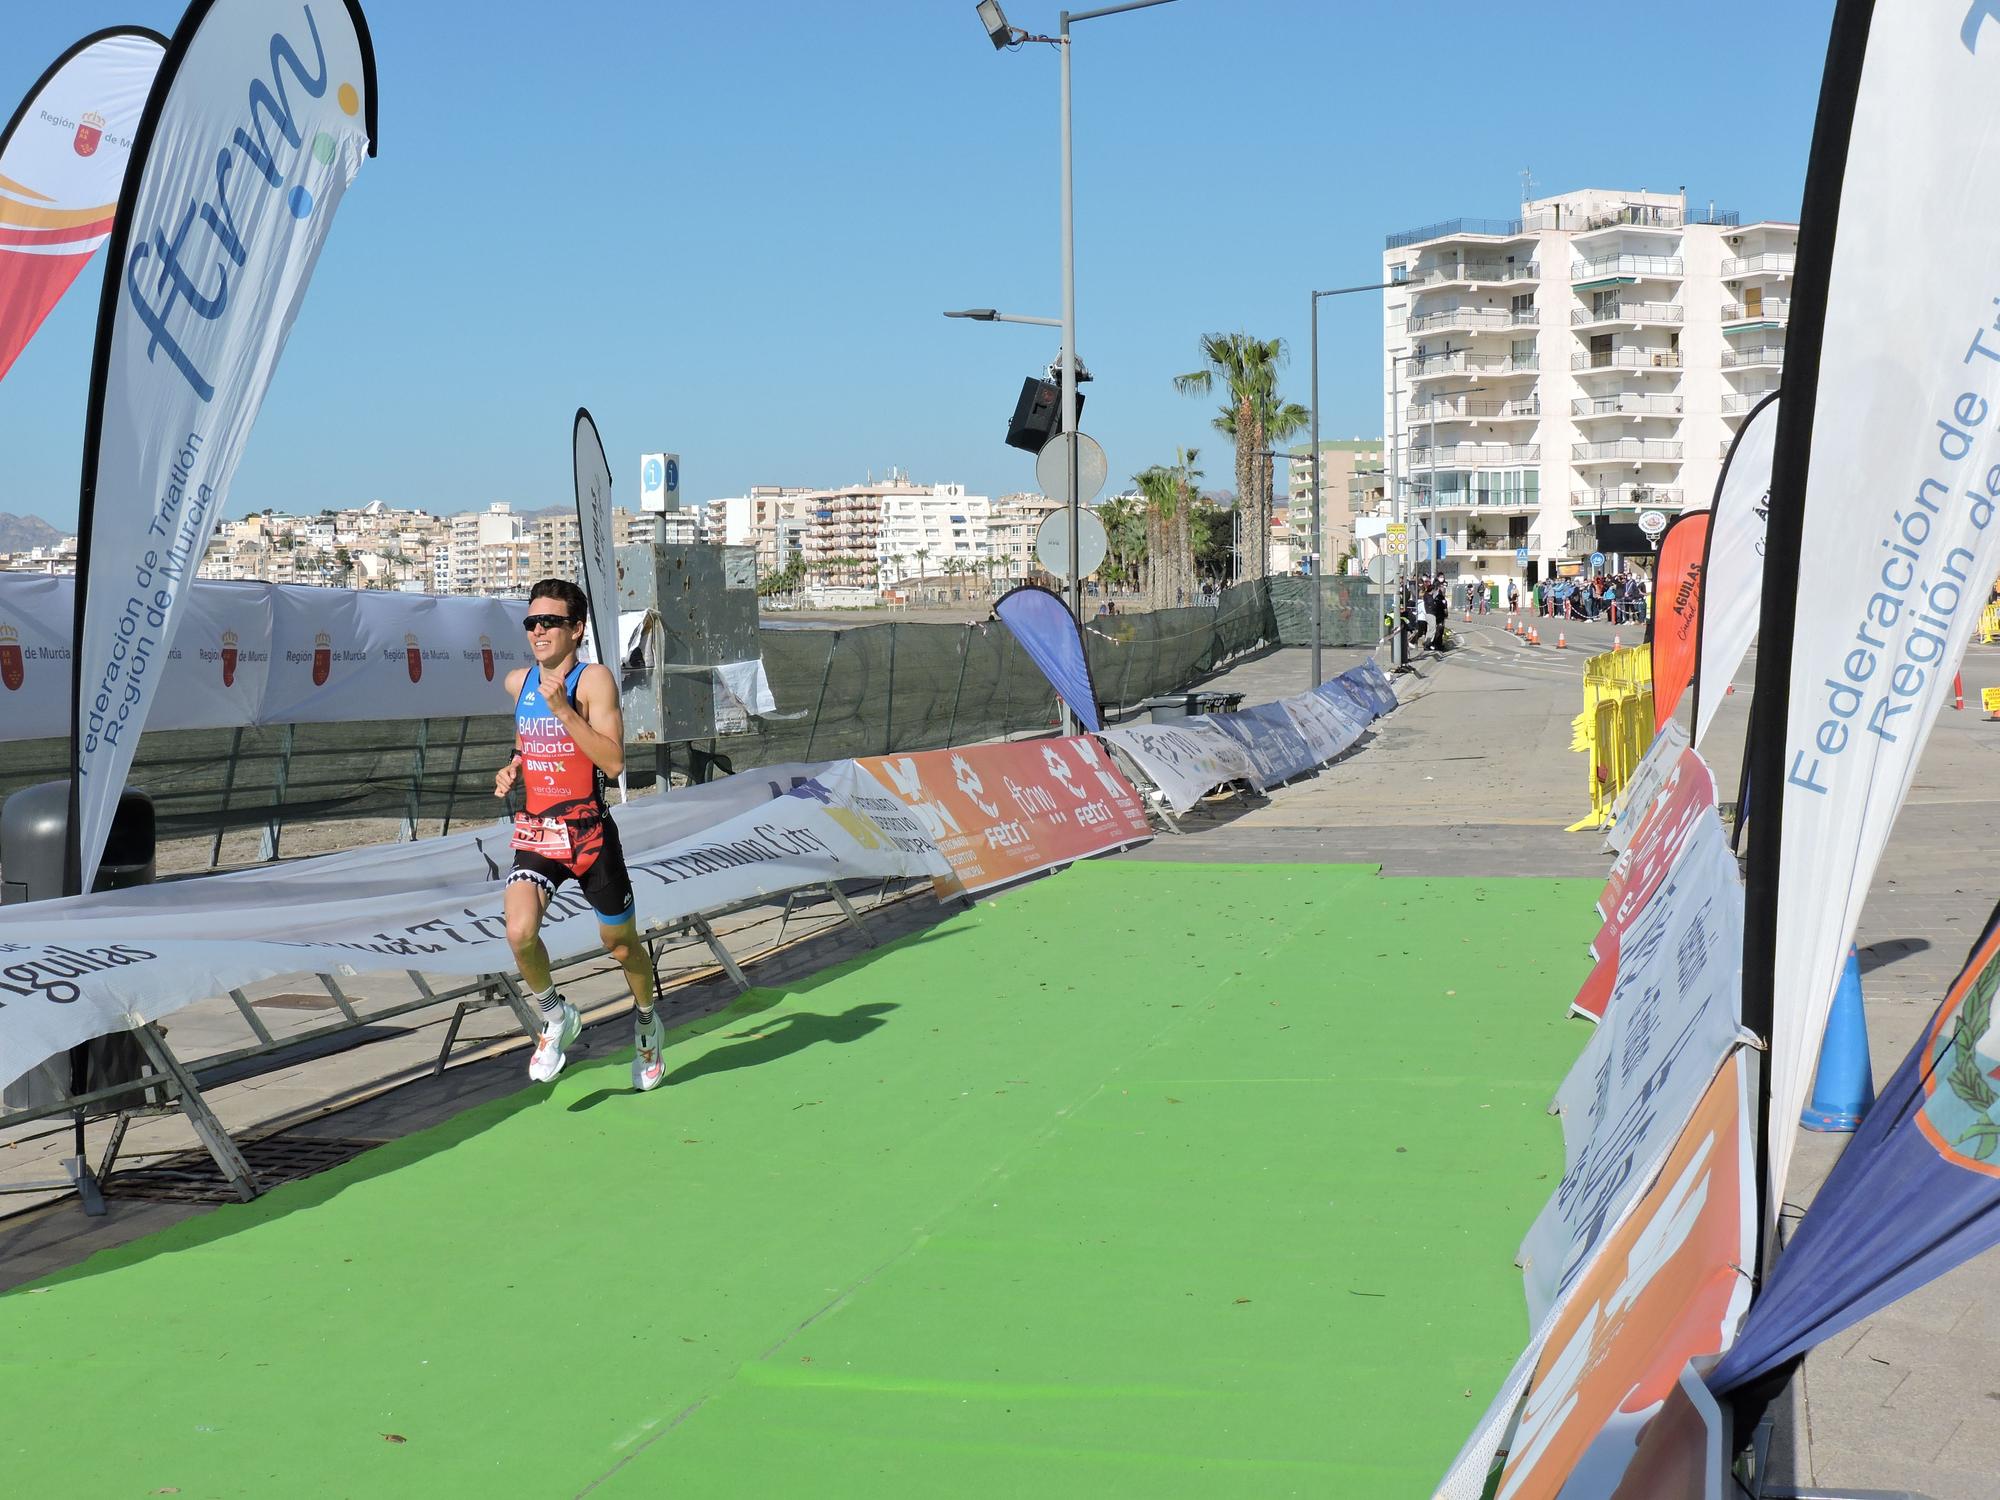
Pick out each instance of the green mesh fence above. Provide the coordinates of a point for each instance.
(1351, 611)
(864, 690)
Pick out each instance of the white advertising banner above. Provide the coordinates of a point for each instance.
(90, 965)
(62, 161)
(1184, 760)
(1732, 589)
(1671, 1020)
(251, 136)
(1329, 726)
(1649, 779)
(593, 519)
(1897, 544)
(260, 653)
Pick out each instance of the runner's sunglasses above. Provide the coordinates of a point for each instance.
(547, 622)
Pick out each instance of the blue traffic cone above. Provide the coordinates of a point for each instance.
(1844, 1086)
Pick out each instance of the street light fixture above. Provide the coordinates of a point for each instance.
(1003, 35)
(1318, 540)
(988, 315)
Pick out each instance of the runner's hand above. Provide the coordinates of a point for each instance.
(506, 776)
(552, 691)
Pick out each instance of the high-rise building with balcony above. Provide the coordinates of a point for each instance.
(1551, 379)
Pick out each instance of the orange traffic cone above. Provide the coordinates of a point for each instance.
(1561, 644)
(1533, 638)
(1617, 644)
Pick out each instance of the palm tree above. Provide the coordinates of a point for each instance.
(922, 556)
(1170, 496)
(1124, 518)
(1248, 371)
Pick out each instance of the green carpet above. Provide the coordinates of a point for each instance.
(1146, 1179)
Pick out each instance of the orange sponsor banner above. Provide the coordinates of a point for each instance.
(1664, 1289)
(1677, 611)
(1004, 812)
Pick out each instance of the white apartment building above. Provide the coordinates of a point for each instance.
(1013, 525)
(878, 535)
(1555, 377)
(758, 520)
(471, 533)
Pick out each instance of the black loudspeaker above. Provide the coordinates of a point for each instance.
(1038, 414)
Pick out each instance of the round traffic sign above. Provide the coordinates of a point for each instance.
(1052, 467)
(1596, 560)
(1052, 543)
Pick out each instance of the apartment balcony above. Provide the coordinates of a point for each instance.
(1474, 273)
(1643, 217)
(1755, 267)
(1626, 497)
(1772, 312)
(1626, 450)
(1491, 366)
(1451, 229)
(1626, 359)
(1625, 404)
(1634, 313)
(1754, 357)
(1628, 268)
(1739, 403)
(1463, 409)
(1474, 455)
(1473, 320)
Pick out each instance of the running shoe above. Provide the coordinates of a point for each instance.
(552, 1045)
(649, 1063)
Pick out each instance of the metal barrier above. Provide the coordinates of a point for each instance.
(1615, 727)
(177, 1083)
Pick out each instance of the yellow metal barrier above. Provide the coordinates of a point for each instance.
(1989, 624)
(1615, 727)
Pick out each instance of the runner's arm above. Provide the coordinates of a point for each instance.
(597, 724)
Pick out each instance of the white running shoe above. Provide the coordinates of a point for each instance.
(649, 1063)
(553, 1044)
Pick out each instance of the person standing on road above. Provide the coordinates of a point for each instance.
(569, 736)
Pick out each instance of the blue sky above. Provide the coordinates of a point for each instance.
(730, 230)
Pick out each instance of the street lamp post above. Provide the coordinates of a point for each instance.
(1004, 35)
(1318, 533)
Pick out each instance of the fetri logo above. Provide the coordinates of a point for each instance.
(10, 658)
(229, 658)
(89, 131)
(413, 654)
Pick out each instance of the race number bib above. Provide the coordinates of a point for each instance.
(548, 837)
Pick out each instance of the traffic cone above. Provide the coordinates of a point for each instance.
(1844, 1086)
(1617, 644)
(1561, 644)
(1958, 690)
(1534, 636)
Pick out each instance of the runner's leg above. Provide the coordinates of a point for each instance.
(524, 902)
(622, 943)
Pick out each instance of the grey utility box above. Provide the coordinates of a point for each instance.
(33, 825)
(704, 599)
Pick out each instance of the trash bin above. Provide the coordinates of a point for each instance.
(33, 825)
(1168, 707)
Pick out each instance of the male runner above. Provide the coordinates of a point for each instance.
(569, 735)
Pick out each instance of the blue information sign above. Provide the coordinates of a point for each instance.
(1520, 557)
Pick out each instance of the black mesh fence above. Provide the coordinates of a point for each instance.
(1351, 611)
(864, 690)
